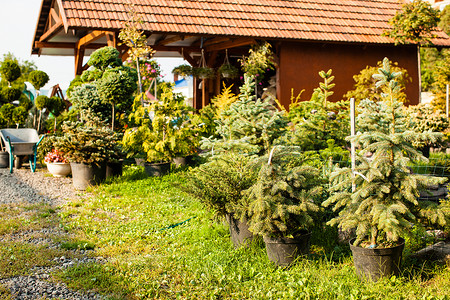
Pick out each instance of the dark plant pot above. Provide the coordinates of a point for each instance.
(283, 251)
(183, 161)
(85, 175)
(425, 151)
(114, 169)
(18, 161)
(4, 159)
(157, 169)
(140, 161)
(239, 233)
(372, 264)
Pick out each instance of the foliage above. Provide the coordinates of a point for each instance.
(77, 81)
(247, 126)
(149, 69)
(10, 70)
(228, 70)
(168, 133)
(260, 59)
(424, 118)
(184, 70)
(285, 196)
(414, 23)
(365, 87)
(41, 102)
(9, 94)
(384, 200)
(38, 79)
(6, 113)
(55, 156)
(88, 142)
(223, 101)
(19, 116)
(86, 100)
(134, 38)
(105, 58)
(318, 120)
(26, 67)
(218, 184)
(442, 78)
(203, 72)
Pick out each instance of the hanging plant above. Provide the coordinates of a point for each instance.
(203, 71)
(184, 70)
(227, 70)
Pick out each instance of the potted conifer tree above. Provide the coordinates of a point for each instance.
(379, 197)
(283, 202)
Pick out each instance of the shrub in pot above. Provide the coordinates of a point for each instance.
(162, 131)
(378, 198)
(88, 146)
(218, 184)
(284, 201)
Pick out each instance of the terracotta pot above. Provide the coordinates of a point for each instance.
(58, 169)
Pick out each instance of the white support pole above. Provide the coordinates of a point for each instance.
(352, 133)
(446, 101)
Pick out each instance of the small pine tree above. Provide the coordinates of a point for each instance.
(285, 197)
(384, 197)
(248, 125)
(219, 183)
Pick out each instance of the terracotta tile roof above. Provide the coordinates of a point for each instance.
(323, 20)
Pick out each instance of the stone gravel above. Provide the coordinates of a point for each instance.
(25, 187)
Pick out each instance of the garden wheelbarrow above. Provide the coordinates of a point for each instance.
(21, 141)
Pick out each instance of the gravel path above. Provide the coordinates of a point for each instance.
(26, 187)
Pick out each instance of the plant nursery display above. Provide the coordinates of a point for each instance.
(162, 131)
(284, 201)
(89, 146)
(378, 198)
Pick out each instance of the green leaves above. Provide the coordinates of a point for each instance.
(38, 79)
(414, 23)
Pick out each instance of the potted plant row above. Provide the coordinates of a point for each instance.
(162, 131)
(378, 199)
(89, 146)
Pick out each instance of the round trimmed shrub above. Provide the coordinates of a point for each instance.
(10, 70)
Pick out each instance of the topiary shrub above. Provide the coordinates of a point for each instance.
(86, 100)
(10, 70)
(6, 113)
(105, 57)
(10, 94)
(38, 79)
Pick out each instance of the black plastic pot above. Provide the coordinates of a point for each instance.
(85, 175)
(183, 160)
(114, 169)
(157, 169)
(4, 159)
(239, 233)
(283, 251)
(372, 264)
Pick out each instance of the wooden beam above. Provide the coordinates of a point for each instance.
(90, 37)
(111, 39)
(215, 41)
(187, 56)
(212, 59)
(79, 55)
(176, 49)
(51, 31)
(64, 45)
(54, 15)
(231, 44)
(171, 40)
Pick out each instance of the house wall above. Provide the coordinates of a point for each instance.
(300, 63)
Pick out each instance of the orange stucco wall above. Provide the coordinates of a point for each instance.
(300, 63)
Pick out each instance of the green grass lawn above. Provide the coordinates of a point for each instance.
(128, 221)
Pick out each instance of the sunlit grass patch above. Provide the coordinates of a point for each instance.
(19, 258)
